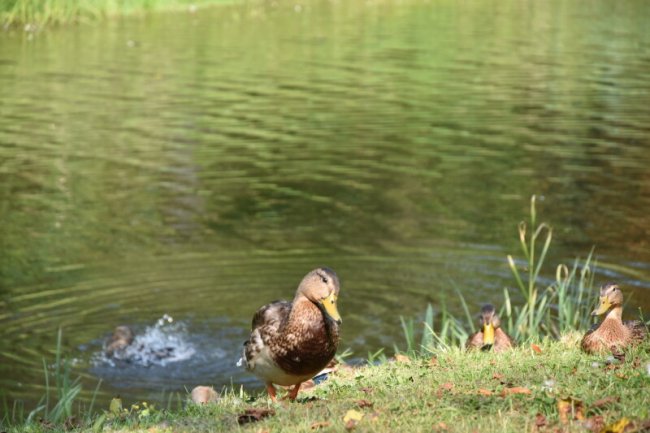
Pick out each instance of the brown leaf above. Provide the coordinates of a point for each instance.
(540, 420)
(364, 403)
(433, 362)
(497, 376)
(318, 425)
(483, 391)
(604, 402)
(515, 390)
(570, 409)
(402, 358)
(594, 423)
(447, 386)
(254, 415)
(618, 354)
(536, 348)
(441, 426)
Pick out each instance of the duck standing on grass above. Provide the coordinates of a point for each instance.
(490, 336)
(612, 333)
(292, 341)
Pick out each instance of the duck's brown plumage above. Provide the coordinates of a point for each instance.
(612, 333)
(292, 341)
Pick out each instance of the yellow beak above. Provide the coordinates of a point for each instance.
(603, 307)
(488, 334)
(329, 304)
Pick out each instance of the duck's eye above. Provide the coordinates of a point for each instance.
(323, 279)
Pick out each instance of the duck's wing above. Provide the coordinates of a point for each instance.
(271, 316)
(502, 341)
(267, 323)
(475, 341)
(638, 328)
(586, 344)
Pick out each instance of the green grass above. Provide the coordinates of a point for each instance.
(34, 14)
(438, 386)
(461, 391)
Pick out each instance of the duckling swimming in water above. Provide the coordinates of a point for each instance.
(290, 342)
(491, 336)
(612, 333)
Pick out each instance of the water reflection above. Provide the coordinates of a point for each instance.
(199, 165)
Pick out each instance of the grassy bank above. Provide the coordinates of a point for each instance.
(546, 384)
(552, 388)
(35, 14)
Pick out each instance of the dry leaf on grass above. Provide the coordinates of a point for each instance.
(497, 376)
(485, 392)
(318, 425)
(594, 423)
(604, 402)
(254, 415)
(540, 420)
(570, 409)
(441, 426)
(536, 349)
(433, 362)
(352, 418)
(364, 403)
(515, 390)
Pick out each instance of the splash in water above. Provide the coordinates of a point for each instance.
(164, 343)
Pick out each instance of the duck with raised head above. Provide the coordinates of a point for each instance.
(292, 341)
(612, 333)
(491, 336)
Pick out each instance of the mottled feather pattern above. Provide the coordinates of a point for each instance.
(307, 342)
(612, 333)
(300, 346)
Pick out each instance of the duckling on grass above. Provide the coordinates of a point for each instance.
(491, 336)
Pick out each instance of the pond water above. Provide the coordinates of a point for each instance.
(198, 165)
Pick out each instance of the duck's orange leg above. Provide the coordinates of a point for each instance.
(293, 392)
(271, 390)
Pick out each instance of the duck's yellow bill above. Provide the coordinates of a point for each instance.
(488, 334)
(329, 304)
(602, 307)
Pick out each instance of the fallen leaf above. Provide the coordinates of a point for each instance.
(540, 420)
(497, 376)
(254, 415)
(402, 358)
(318, 425)
(536, 348)
(433, 362)
(570, 409)
(447, 386)
(353, 414)
(441, 426)
(594, 423)
(483, 391)
(619, 355)
(621, 375)
(617, 427)
(364, 403)
(604, 402)
(515, 390)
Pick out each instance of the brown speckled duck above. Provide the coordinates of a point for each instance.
(491, 336)
(612, 333)
(292, 341)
